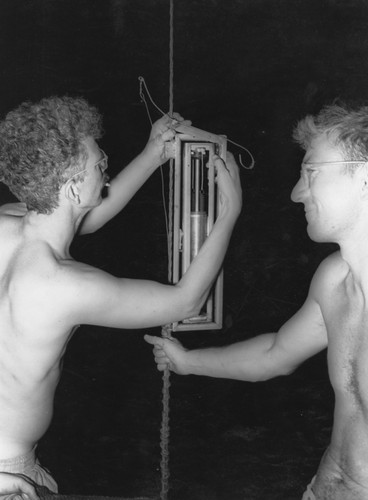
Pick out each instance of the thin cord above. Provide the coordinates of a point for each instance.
(240, 159)
(142, 87)
(141, 93)
(142, 83)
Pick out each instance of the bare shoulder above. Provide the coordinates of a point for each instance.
(48, 291)
(329, 274)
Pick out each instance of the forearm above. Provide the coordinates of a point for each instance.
(125, 185)
(203, 270)
(121, 190)
(250, 360)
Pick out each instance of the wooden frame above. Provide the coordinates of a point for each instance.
(194, 214)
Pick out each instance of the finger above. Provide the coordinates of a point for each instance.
(230, 165)
(230, 157)
(167, 135)
(156, 341)
(27, 489)
(182, 122)
(166, 118)
(220, 164)
(160, 126)
(177, 116)
(159, 353)
(187, 123)
(170, 120)
(162, 361)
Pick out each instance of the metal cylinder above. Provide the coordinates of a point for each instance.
(198, 232)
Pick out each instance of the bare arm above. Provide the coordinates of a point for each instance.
(74, 293)
(124, 186)
(258, 358)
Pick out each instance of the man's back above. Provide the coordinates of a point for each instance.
(30, 361)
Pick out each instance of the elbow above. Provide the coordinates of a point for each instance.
(190, 304)
(194, 307)
(191, 310)
(273, 364)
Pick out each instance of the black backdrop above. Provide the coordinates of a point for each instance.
(245, 68)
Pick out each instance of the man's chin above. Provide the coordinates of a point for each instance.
(318, 236)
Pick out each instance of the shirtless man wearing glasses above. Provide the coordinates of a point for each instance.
(333, 187)
(50, 160)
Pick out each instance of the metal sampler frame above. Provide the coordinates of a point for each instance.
(195, 207)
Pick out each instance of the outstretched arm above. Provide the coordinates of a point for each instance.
(86, 295)
(124, 186)
(259, 358)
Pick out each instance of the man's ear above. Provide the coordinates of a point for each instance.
(72, 191)
(364, 182)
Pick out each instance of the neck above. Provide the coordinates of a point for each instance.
(355, 255)
(56, 229)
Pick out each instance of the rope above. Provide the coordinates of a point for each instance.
(171, 59)
(166, 330)
(165, 428)
(171, 170)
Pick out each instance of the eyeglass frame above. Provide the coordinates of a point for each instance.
(338, 162)
(104, 158)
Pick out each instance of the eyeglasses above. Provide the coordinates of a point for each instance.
(342, 162)
(102, 164)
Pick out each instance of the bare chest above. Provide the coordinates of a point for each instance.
(346, 318)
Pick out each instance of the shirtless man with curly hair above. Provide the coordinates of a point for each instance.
(51, 161)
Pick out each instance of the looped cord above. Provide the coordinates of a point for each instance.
(143, 88)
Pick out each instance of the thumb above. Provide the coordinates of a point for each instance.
(150, 339)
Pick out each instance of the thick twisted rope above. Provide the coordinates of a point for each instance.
(166, 330)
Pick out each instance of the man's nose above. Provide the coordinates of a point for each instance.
(298, 192)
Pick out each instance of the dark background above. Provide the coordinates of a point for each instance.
(245, 68)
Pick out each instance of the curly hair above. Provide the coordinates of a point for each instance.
(345, 126)
(41, 145)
